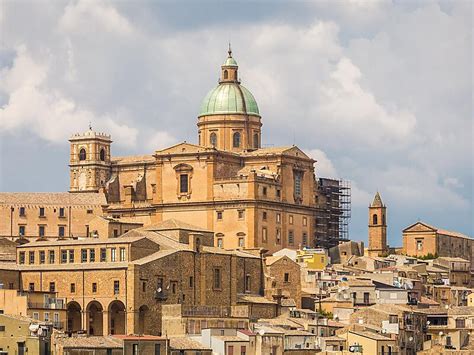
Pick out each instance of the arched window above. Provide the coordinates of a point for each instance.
(213, 139)
(226, 74)
(82, 154)
(374, 219)
(102, 154)
(255, 141)
(236, 140)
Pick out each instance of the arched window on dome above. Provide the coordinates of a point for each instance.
(226, 74)
(102, 154)
(255, 141)
(374, 219)
(236, 140)
(213, 139)
(82, 154)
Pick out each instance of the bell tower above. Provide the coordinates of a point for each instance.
(89, 162)
(377, 227)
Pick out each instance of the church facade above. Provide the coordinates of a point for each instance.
(250, 196)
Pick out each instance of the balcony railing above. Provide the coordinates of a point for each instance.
(42, 305)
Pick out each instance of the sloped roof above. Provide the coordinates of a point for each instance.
(53, 198)
(285, 150)
(133, 159)
(175, 224)
(90, 342)
(436, 229)
(186, 343)
(183, 147)
(377, 202)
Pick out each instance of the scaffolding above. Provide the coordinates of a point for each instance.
(333, 200)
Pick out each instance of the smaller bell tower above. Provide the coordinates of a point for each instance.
(377, 227)
(89, 162)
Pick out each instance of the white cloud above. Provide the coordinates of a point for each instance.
(46, 112)
(91, 16)
(324, 166)
(159, 140)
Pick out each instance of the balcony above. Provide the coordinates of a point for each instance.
(160, 295)
(42, 305)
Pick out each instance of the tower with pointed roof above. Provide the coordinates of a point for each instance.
(89, 162)
(229, 118)
(377, 227)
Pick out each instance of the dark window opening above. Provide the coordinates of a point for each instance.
(82, 154)
(183, 183)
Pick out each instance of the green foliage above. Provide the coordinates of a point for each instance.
(428, 256)
(324, 314)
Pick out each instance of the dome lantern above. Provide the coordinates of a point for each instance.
(229, 70)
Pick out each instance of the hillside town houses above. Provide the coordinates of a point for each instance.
(222, 247)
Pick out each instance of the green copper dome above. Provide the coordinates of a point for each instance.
(230, 62)
(229, 98)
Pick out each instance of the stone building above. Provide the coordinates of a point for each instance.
(251, 196)
(377, 227)
(49, 215)
(118, 285)
(421, 239)
(283, 279)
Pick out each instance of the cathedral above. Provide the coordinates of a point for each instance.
(249, 195)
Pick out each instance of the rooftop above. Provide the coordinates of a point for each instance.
(53, 198)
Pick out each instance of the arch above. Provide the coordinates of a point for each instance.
(94, 318)
(236, 140)
(213, 139)
(256, 142)
(117, 317)
(143, 319)
(74, 317)
(374, 219)
(82, 154)
(226, 74)
(102, 154)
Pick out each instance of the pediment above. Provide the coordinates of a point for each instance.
(420, 227)
(181, 148)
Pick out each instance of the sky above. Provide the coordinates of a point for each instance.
(378, 92)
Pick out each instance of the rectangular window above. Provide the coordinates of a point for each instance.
(122, 254)
(90, 211)
(278, 193)
(157, 349)
(231, 350)
(460, 323)
(264, 235)
(51, 256)
(220, 243)
(31, 286)
(219, 215)
(115, 233)
(134, 349)
(46, 316)
(83, 255)
(21, 231)
(241, 242)
(71, 255)
(217, 279)
(305, 221)
(243, 350)
(298, 175)
(290, 219)
(290, 238)
(41, 231)
(419, 245)
(41, 212)
(92, 255)
(143, 286)
(116, 287)
(36, 315)
(278, 236)
(103, 254)
(94, 287)
(21, 258)
(22, 212)
(264, 191)
(31, 257)
(305, 238)
(241, 214)
(113, 254)
(247, 283)
(191, 281)
(63, 256)
(73, 288)
(287, 277)
(42, 257)
(52, 287)
(183, 183)
(61, 231)
(264, 216)
(61, 212)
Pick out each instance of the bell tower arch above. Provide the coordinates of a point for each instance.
(89, 161)
(377, 227)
